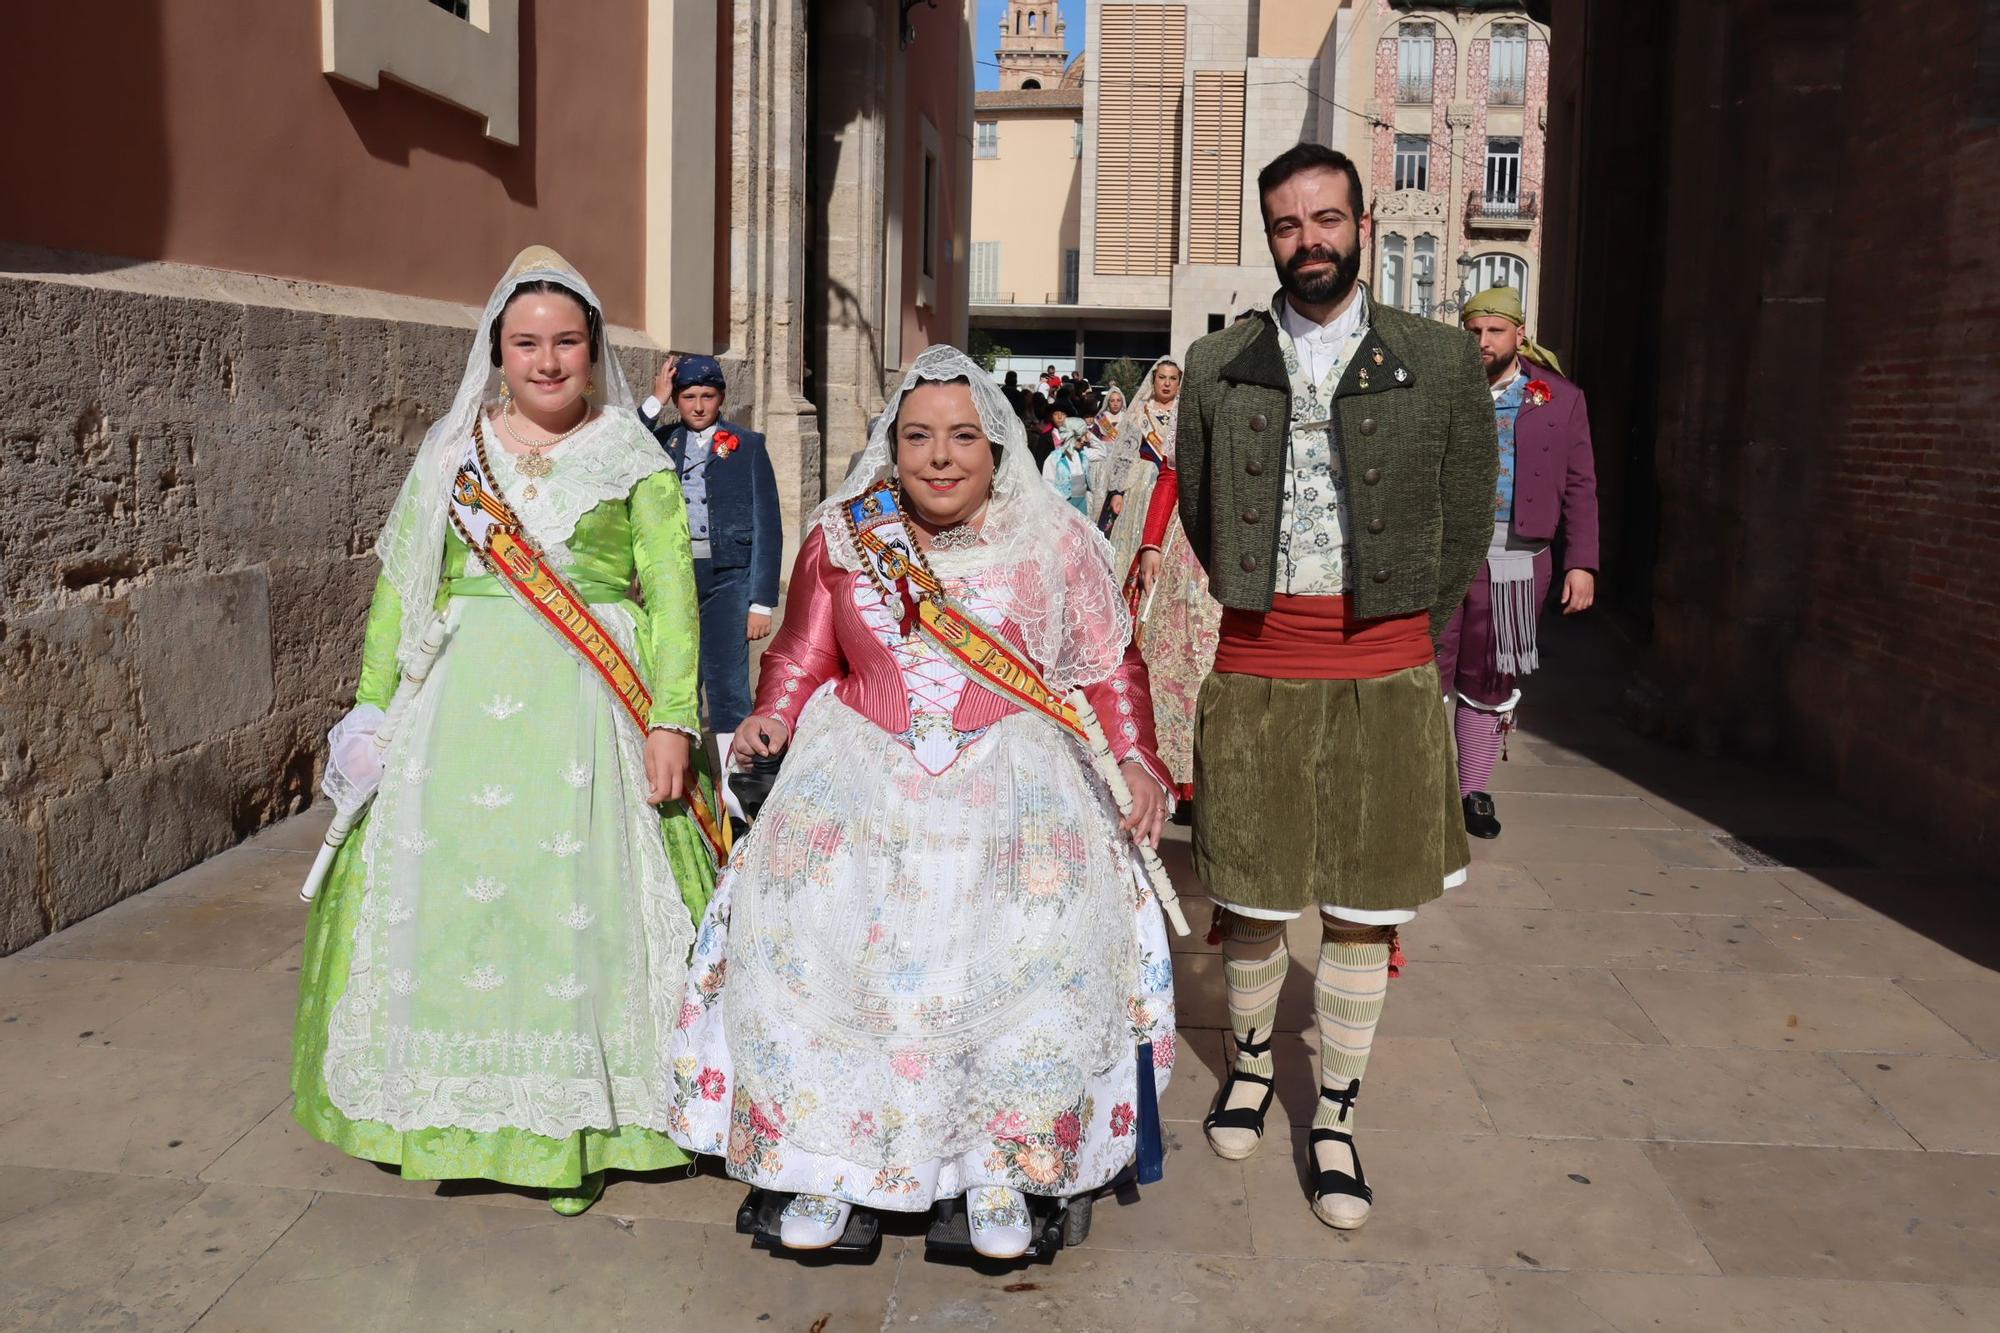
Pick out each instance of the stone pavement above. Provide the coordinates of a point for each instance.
(1625, 1082)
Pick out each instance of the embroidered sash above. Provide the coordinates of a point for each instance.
(488, 524)
(897, 568)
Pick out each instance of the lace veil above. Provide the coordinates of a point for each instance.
(412, 540)
(1065, 599)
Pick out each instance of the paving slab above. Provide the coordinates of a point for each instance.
(1594, 1302)
(1676, 1092)
(86, 1249)
(203, 932)
(1521, 810)
(213, 1011)
(1460, 934)
(145, 1113)
(1789, 1012)
(355, 1262)
(1127, 1293)
(1500, 1002)
(1609, 846)
(1849, 1213)
(1493, 884)
(1971, 1007)
(1947, 1105)
(1491, 1201)
(1413, 1083)
(1677, 890)
(74, 999)
(1873, 949)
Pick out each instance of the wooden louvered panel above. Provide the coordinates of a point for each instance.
(1139, 67)
(1215, 173)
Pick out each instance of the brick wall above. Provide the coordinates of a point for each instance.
(1777, 269)
(1895, 684)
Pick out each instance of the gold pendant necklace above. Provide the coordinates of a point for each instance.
(536, 465)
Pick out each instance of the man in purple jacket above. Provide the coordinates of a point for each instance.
(1548, 482)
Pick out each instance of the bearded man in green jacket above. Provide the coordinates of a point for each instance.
(1337, 462)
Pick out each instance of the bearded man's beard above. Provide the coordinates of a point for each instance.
(1317, 288)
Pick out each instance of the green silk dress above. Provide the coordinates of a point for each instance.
(493, 968)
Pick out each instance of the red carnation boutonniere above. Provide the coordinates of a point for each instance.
(726, 443)
(1537, 393)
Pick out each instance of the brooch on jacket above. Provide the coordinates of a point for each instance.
(727, 441)
(1537, 393)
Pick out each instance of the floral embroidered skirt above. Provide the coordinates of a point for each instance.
(492, 969)
(911, 984)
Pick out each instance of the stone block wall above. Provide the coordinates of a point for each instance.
(198, 464)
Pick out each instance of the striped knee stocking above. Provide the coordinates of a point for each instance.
(1254, 963)
(1479, 734)
(1348, 990)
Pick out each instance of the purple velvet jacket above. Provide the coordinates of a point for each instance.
(1555, 475)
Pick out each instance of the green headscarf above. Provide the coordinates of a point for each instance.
(1505, 302)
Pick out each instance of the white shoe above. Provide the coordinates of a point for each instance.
(999, 1220)
(812, 1222)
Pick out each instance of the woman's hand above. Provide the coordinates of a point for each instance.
(669, 765)
(1147, 567)
(757, 737)
(1149, 804)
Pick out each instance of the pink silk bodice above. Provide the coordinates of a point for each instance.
(826, 637)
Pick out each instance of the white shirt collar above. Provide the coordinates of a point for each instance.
(1340, 326)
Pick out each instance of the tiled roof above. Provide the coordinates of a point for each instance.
(1002, 100)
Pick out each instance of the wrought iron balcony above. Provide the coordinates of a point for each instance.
(1507, 92)
(1414, 91)
(1515, 212)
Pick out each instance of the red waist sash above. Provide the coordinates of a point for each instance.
(1318, 638)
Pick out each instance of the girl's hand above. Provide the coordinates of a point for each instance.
(756, 738)
(1149, 805)
(669, 765)
(1148, 567)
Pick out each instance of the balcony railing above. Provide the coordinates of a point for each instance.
(981, 297)
(1414, 90)
(1507, 92)
(1505, 211)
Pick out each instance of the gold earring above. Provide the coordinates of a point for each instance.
(590, 386)
(506, 394)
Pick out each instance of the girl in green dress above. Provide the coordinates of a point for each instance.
(494, 966)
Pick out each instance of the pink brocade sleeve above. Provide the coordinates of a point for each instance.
(806, 652)
(1124, 704)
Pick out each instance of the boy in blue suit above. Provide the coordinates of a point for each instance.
(732, 502)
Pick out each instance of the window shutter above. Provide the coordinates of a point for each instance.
(1215, 176)
(1140, 65)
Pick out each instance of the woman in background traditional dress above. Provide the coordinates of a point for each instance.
(1178, 623)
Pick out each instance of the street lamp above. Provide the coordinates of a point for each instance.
(1466, 264)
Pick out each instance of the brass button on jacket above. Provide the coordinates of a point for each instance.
(1376, 525)
(1249, 563)
(1368, 425)
(1380, 576)
(1255, 467)
(1372, 475)
(1258, 421)
(1250, 516)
